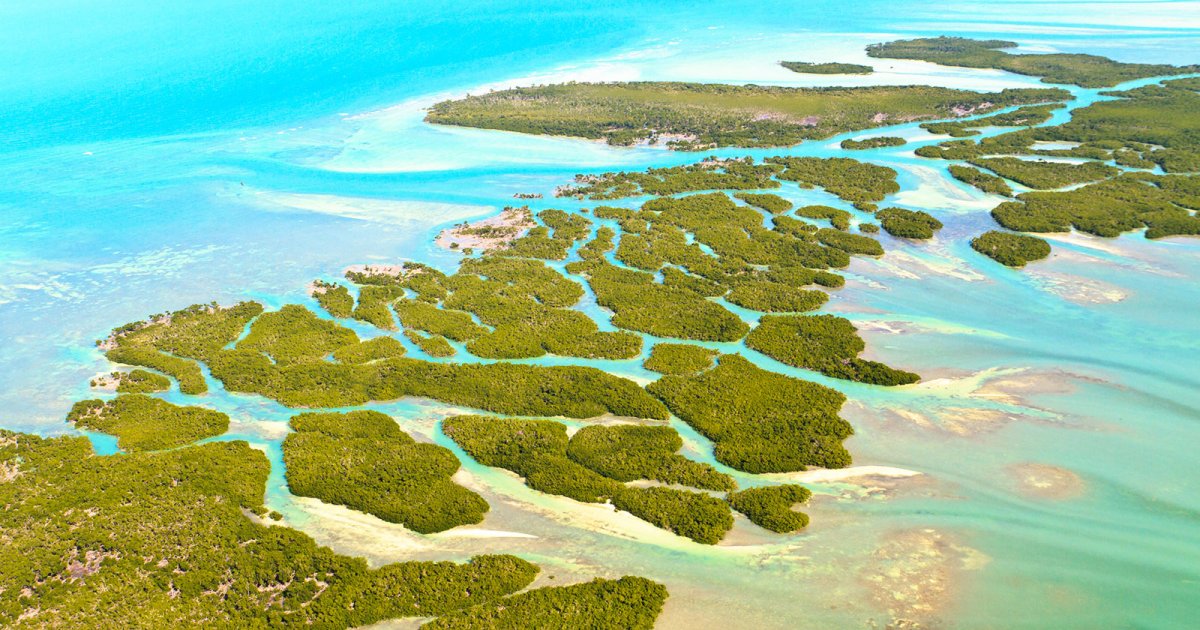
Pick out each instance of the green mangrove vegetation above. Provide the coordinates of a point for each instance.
(639, 303)
(333, 297)
(986, 182)
(771, 203)
(838, 218)
(1154, 125)
(372, 307)
(770, 507)
(144, 423)
(523, 304)
(1020, 117)
(878, 142)
(707, 174)
(448, 323)
(187, 373)
(369, 350)
(849, 243)
(859, 183)
(678, 358)
(916, 224)
(140, 382)
(809, 67)
(759, 421)
(776, 297)
(1151, 125)
(163, 539)
(693, 116)
(433, 345)
(363, 460)
(1042, 174)
(629, 603)
(1163, 204)
(284, 357)
(1075, 69)
(700, 517)
(540, 452)
(294, 334)
(1010, 249)
(825, 343)
(627, 452)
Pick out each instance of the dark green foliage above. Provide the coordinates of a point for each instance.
(873, 143)
(1162, 203)
(629, 452)
(535, 450)
(630, 603)
(141, 382)
(868, 228)
(526, 303)
(1040, 174)
(572, 391)
(1010, 249)
(800, 229)
(433, 345)
(1132, 159)
(708, 174)
(825, 343)
(675, 277)
(838, 218)
(677, 358)
(303, 378)
(641, 304)
(161, 540)
(771, 203)
(693, 116)
(197, 332)
(808, 67)
(191, 379)
(538, 451)
(908, 223)
(364, 461)
(370, 350)
(774, 297)
(850, 243)
(760, 421)
(506, 442)
(854, 181)
(293, 334)
(334, 298)
(598, 246)
(770, 507)
(456, 325)
(703, 518)
(1022, 117)
(373, 305)
(986, 182)
(1153, 124)
(143, 423)
(552, 240)
(1083, 70)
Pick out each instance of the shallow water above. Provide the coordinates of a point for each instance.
(267, 147)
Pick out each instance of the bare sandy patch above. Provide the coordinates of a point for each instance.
(1043, 481)
(1078, 289)
(491, 233)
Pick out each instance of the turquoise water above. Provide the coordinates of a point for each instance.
(156, 155)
